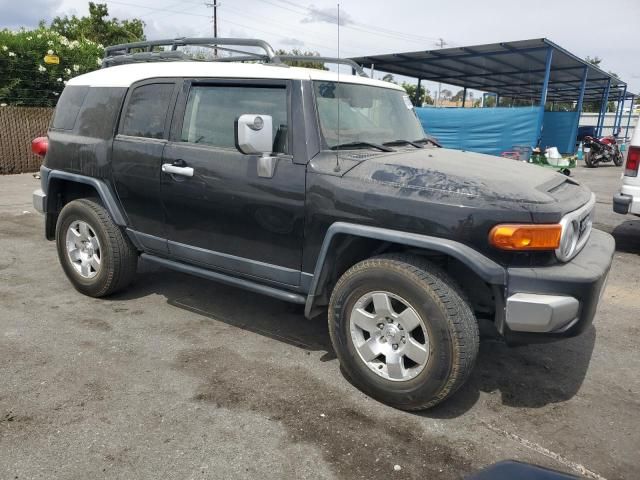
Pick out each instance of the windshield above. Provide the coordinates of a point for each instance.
(367, 114)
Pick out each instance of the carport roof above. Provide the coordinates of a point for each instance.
(510, 69)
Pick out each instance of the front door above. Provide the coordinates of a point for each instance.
(220, 213)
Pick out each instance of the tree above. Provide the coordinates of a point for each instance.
(593, 60)
(388, 77)
(303, 63)
(25, 78)
(445, 94)
(98, 28)
(424, 96)
(594, 107)
(489, 100)
(458, 96)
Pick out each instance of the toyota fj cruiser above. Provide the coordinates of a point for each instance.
(319, 189)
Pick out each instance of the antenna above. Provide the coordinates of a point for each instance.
(337, 167)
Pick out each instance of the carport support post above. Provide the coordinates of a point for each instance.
(543, 93)
(603, 108)
(464, 96)
(626, 132)
(620, 110)
(583, 87)
(416, 97)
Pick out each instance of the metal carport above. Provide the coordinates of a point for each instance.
(536, 70)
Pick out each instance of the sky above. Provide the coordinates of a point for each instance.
(609, 30)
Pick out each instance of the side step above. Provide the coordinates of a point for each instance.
(227, 279)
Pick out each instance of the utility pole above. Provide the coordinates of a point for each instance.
(441, 43)
(214, 19)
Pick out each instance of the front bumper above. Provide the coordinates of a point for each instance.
(39, 200)
(544, 303)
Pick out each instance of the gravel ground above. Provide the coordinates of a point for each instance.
(183, 378)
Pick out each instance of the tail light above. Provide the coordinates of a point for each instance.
(39, 146)
(633, 161)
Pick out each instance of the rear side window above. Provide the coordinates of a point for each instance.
(68, 107)
(146, 111)
(212, 111)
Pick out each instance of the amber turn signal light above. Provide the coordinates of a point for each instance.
(526, 237)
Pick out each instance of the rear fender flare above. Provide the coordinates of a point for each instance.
(105, 193)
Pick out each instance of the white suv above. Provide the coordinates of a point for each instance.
(628, 200)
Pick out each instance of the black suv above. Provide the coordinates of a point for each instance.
(318, 189)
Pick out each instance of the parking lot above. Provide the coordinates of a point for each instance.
(182, 378)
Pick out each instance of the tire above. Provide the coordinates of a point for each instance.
(117, 256)
(588, 162)
(618, 158)
(451, 337)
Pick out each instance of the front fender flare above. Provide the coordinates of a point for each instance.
(484, 267)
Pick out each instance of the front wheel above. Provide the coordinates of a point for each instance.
(617, 158)
(402, 331)
(95, 254)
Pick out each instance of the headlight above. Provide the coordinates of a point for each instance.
(568, 240)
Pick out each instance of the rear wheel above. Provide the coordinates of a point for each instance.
(402, 330)
(95, 254)
(589, 160)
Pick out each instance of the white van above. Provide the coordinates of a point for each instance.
(628, 199)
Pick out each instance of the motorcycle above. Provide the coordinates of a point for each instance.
(601, 150)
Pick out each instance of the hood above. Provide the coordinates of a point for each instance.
(455, 176)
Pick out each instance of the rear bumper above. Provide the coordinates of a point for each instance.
(39, 200)
(621, 203)
(544, 303)
(628, 199)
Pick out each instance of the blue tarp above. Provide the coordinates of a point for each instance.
(558, 131)
(484, 130)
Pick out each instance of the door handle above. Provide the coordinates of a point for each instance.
(175, 170)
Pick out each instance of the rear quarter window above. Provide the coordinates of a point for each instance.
(68, 107)
(145, 114)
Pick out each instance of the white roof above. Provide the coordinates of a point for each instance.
(125, 75)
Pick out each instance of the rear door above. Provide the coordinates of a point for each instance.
(143, 132)
(226, 216)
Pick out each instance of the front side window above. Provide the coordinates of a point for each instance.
(212, 111)
(146, 112)
(361, 113)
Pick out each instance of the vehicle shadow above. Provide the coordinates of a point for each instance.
(249, 311)
(528, 376)
(627, 236)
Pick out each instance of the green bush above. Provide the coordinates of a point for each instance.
(25, 78)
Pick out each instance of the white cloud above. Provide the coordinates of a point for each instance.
(327, 15)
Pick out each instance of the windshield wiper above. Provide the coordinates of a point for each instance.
(403, 142)
(431, 140)
(362, 145)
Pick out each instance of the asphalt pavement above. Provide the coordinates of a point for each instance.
(182, 378)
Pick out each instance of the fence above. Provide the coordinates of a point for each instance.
(18, 126)
(591, 119)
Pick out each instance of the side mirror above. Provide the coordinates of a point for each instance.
(254, 134)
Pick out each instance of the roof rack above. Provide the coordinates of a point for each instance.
(157, 51)
(356, 68)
